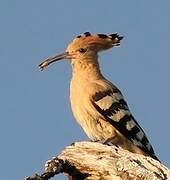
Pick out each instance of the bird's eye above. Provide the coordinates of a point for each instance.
(82, 50)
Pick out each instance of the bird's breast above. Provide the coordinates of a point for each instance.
(86, 115)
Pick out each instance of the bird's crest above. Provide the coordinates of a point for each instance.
(96, 42)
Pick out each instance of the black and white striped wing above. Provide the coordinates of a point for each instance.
(113, 107)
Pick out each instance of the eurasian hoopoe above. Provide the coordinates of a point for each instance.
(97, 104)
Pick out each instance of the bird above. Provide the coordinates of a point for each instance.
(97, 104)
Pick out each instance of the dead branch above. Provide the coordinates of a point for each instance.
(95, 161)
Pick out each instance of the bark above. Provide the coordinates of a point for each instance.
(96, 161)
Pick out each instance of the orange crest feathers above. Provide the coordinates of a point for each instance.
(96, 42)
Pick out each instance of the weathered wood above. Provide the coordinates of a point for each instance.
(95, 161)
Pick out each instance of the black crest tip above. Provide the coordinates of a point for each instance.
(120, 37)
(87, 34)
(79, 36)
(102, 36)
(114, 36)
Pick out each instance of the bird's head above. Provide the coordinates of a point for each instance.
(85, 46)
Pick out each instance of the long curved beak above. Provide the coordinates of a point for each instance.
(52, 59)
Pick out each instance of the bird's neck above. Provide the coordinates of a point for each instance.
(86, 70)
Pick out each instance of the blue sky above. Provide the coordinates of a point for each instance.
(36, 119)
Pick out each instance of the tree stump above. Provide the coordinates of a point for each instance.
(96, 161)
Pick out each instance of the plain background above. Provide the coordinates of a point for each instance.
(36, 121)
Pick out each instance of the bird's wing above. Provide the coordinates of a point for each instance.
(112, 106)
